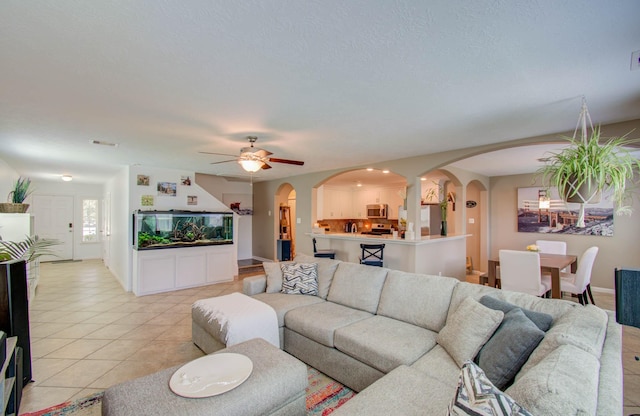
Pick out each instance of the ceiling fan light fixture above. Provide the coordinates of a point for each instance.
(250, 165)
(67, 178)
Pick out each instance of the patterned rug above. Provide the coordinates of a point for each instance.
(324, 395)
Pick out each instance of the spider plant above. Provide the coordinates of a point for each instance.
(27, 250)
(588, 167)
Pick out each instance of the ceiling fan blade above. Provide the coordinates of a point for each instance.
(288, 161)
(262, 153)
(265, 166)
(224, 161)
(221, 154)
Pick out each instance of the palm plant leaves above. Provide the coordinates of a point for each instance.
(20, 190)
(29, 249)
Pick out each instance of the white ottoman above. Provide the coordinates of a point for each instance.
(227, 320)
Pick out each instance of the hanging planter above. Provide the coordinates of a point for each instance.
(590, 166)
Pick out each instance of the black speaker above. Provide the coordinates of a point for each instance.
(627, 283)
(14, 309)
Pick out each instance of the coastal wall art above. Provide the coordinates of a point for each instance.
(541, 210)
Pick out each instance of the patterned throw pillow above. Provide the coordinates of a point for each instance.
(476, 395)
(300, 278)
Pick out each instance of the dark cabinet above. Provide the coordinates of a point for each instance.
(284, 250)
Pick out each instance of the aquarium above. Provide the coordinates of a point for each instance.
(170, 229)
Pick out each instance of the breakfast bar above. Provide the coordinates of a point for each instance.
(435, 255)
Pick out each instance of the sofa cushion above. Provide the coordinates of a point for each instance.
(384, 343)
(319, 322)
(584, 327)
(565, 382)
(404, 391)
(300, 278)
(476, 395)
(283, 303)
(540, 319)
(357, 286)
(417, 298)
(509, 348)
(468, 329)
(437, 363)
(273, 271)
(553, 307)
(326, 270)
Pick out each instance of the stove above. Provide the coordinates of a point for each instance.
(378, 229)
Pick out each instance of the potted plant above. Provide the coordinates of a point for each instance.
(438, 193)
(17, 197)
(586, 168)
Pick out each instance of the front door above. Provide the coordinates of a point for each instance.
(53, 218)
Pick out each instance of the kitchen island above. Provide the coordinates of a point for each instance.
(435, 255)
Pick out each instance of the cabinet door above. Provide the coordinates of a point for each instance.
(156, 274)
(391, 196)
(338, 203)
(191, 270)
(219, 268)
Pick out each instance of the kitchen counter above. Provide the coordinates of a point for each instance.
(428, 254)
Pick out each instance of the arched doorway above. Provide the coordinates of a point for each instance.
(285, 222)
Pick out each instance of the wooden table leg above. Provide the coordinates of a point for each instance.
(555, 283)
(492, 273)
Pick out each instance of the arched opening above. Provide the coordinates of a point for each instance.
(285, 222)
(476, 227)
(340, 202)
(437, 187)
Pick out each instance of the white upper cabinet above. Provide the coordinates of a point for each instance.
(335, 202)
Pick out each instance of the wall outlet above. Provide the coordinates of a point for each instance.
(635, 60)
(298, 220)
(472, 220)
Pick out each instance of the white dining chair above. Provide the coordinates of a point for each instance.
(579, 283)
(520, 272)
(552, 247)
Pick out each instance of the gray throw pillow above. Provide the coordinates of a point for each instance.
(274, 276)
(300, 278)
(509, 347)
(468, 329)
(542, 320)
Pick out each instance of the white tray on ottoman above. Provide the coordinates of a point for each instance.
(276, 386)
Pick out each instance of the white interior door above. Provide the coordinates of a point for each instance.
(53, 218)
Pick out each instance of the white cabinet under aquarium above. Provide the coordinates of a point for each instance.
(175, 250)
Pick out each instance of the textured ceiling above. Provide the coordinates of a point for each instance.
(333, 83)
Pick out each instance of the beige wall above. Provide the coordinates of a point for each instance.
(621, 250)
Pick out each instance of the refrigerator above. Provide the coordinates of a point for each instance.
(15, 227)
(430, 219)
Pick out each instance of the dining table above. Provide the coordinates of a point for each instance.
(551, 263)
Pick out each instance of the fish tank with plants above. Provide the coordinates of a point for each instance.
(171, 229)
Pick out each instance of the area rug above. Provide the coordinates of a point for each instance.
(324, 395)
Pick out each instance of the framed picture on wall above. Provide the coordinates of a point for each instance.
(192, 200)
(143, 180)
(185, 180)
(541, 210)
(167, 188)
(146, 200)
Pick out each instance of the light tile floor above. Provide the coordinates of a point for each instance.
(88, 334)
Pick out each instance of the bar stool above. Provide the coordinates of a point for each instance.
(372, 254)
(331, 254)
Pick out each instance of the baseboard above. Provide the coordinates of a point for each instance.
(602, 290)
(261, 259)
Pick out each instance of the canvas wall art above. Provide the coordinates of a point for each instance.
(542, 210)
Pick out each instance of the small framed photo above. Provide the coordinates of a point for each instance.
(143, 180)
(185, 180)
(192, 200)
(146, 200)
(167, 188)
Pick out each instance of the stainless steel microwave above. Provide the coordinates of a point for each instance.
(377, 211)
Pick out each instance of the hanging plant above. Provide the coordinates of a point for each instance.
(591, 165)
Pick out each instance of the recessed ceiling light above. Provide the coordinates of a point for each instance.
(385, 171)
(359, 184)
(369, 169)
(103, 143)
(67, 178)
(423, 179)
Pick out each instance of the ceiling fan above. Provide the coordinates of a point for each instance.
(252, 159)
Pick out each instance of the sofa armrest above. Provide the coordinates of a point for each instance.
(254, 285)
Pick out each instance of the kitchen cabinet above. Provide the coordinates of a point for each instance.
(337, 203)
(391, 197)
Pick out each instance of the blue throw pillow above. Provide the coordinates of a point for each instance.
(542, 320)
(509, 348)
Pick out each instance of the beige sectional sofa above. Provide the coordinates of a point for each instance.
(400, 340)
